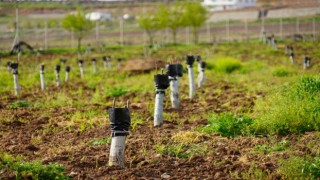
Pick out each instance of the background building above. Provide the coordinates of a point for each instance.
(219, 5)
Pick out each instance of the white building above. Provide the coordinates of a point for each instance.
(220, 5)
(95, 16)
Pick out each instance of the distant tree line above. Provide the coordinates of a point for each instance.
(173, 17)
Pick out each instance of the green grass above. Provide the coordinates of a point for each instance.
(19, 104)
(30, 170)
(227, 125)
(300, 168)
(294, 108)
(227, 65)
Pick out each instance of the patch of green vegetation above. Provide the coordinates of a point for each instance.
(116, 91)
(227, 125)
(267, 149)
(19, 104)
(300, 168)
(101, 141)
(31, 170)
(227, 65)
(181, 150)
(295, 108)
(281, 72)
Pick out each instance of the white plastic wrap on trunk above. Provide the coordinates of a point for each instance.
(43, 84)
(158, 117)
(81, 72)
(291, 59)
(110, 64)
(191, 82)
(67, 77)
(201, 78)
(16, 84)
(305, 65)
(105, 65)
(174, 94)
(58, 79)
(117, 151)
(95, 68)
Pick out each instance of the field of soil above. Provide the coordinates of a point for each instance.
(69, 125)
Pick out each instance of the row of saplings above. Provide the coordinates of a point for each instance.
(13, 68)
(120, 117)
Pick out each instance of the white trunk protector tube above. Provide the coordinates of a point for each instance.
(158, 116)
(110, 64)
(191, 82)
(95, 68)
(43, 84)
(58, 82)
(81, 72)
(201, 78)
(67, 77)
(117, 151)
(16, 84)
(292, 59)
(174, 94)
(105, 65)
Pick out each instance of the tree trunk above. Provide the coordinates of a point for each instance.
(150, 37)
(79, 43)
(195, 35)
(174, 35)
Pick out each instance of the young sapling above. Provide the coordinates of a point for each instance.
(67, 73)
(57, 72)
(14, 67)
(174, 71)
(81, 68)
(190, 60)
(42, 81)
(161, 84)
(95, 68)
(120, 123)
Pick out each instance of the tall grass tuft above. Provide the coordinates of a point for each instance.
(227, 65)
(293, 109)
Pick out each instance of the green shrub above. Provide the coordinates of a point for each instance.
(227, 65)
(101, 141)
(19, 104)
(227, 125)
(281, 72)
(300, 168)
(30, 170)
(116, 92)
(293, 109)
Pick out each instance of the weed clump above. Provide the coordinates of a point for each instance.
(19, 104)
(300, 168)
(281, 72)
(30, 170)
(294, 109)
(116, 92)
(227, 65)
(228, 125)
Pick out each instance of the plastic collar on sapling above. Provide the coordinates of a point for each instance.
(63, 61)
(201, 75)
(95, 69)
(161, 84)
(174, 71)
(120, 123)
(81, 68)
(14, 67)
(190, 60)
(105, 64)
(57, 71)
(292, 57)
(42, 81)
(67, 73)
